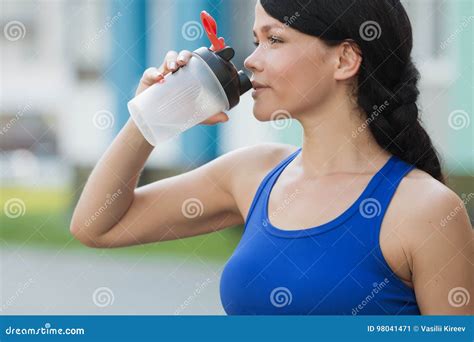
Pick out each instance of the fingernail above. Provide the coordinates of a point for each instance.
(172, 65)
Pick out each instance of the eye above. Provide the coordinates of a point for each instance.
(274, 40)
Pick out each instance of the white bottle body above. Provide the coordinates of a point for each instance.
(187, 97)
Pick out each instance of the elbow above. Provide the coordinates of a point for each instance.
(80, 234)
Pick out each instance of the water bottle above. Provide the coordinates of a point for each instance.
(208, 84)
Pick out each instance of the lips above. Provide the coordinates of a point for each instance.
(257, 85)
(258, 88)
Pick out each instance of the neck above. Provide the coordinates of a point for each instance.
(337, 140)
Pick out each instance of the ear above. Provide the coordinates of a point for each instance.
(349, 62)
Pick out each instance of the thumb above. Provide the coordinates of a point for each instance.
(215, 119)
(222, 117)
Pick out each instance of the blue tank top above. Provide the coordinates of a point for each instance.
(336, 268)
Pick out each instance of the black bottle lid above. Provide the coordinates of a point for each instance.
(235, 83)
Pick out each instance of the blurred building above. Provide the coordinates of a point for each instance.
(69, 67)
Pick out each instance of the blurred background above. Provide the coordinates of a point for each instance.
(68, 69)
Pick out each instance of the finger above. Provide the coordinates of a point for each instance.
(170, 61)
(221, 117)
(151, 76)
(183, 57)
(215, 119)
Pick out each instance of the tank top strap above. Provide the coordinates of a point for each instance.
(373, 208)
(377, 203)
(266, 180)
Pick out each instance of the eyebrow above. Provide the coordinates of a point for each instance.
(265, 28)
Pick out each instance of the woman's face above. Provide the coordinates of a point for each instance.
(296, 69)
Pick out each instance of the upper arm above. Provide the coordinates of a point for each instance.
(442, 251)
(193, 203)
(197, 202)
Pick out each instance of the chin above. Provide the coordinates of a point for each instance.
(270, 113)
(262, 114)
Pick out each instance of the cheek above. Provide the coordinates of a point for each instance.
(289, 77)
(303, 85)
(298, 83)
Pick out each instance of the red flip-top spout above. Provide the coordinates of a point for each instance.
(211, 29)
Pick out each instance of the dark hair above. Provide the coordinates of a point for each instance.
(382, 31)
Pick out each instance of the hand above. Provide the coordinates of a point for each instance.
(172, 62)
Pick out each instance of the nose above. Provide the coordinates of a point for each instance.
(253, 63)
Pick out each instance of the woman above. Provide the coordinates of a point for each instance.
(355, 221)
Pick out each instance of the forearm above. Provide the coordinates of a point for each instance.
(109, 190)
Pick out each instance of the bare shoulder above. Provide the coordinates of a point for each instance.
(246, 167)
(240, 169)
(435, 231)
(425, 206)
(255, 159)
(264, 151)
(425, 195)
